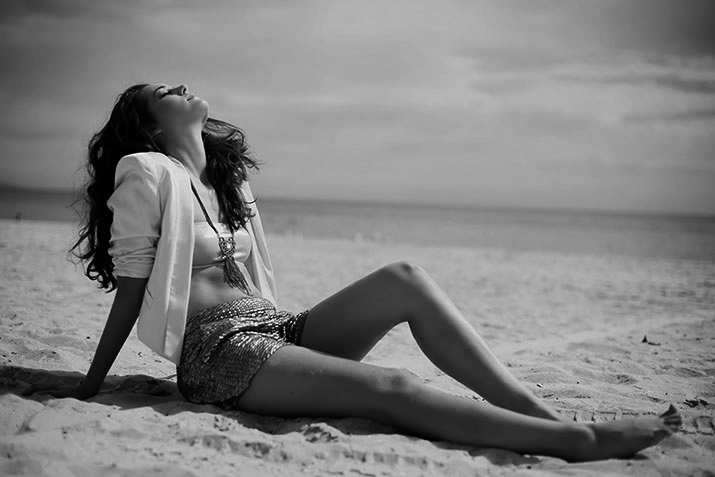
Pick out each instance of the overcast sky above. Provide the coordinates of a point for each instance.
(581, 104)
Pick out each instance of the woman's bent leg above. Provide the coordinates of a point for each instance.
(296, 381)
(350, 322)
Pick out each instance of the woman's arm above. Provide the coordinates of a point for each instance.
(122, 317)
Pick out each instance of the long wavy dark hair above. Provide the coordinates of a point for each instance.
(131, 129)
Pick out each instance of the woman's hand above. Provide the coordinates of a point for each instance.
(60, 390)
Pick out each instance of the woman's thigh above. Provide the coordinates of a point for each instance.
(299, 382)
(349, 323)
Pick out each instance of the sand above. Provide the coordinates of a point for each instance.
(596, 336)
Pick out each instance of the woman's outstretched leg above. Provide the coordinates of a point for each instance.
(349, 323)
(298, 382)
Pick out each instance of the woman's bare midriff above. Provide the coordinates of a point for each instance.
(208, 289)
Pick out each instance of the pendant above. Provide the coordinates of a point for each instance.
(231, 273)
(227, 246)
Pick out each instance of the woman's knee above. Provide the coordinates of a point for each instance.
(408, 285)
(404, 274)
(394, 387)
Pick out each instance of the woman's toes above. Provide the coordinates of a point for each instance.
(674, 425)
(673, 419)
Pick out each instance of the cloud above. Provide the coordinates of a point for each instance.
(676, 116)
(395, 95)
(694, 79)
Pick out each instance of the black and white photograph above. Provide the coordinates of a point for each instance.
(357, 238)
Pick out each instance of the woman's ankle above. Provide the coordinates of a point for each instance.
(582, 443)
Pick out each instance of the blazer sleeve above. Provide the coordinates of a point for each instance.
(135, 230)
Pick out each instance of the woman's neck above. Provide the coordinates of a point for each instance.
(188, 148)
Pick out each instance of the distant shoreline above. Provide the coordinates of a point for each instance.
(677, 237)
(12, 194)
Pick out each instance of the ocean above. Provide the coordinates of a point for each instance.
(677, 237)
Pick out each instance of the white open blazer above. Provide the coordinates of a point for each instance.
(153, 236)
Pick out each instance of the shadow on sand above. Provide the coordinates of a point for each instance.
(162, 395)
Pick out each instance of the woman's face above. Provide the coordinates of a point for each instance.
(173, 108)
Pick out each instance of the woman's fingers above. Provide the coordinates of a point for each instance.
(35, 389)
(30, 390)
(56, 390)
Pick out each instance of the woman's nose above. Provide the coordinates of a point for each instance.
(180, 89)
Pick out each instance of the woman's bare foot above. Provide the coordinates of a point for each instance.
(626, 437)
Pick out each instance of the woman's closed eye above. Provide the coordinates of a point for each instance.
(162, 92)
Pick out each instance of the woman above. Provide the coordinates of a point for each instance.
(173, 227)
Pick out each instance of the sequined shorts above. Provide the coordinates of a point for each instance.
(226, 345)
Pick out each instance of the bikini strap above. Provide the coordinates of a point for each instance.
(203, 209)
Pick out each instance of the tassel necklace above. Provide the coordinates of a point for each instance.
(231, 273)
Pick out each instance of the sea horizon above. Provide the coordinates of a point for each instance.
(9, 192)
(677, 236)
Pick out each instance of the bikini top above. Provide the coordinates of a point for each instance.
(206, 249)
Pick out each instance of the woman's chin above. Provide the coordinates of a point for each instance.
(203, 107)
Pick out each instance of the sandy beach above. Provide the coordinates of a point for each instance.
(597, 336)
